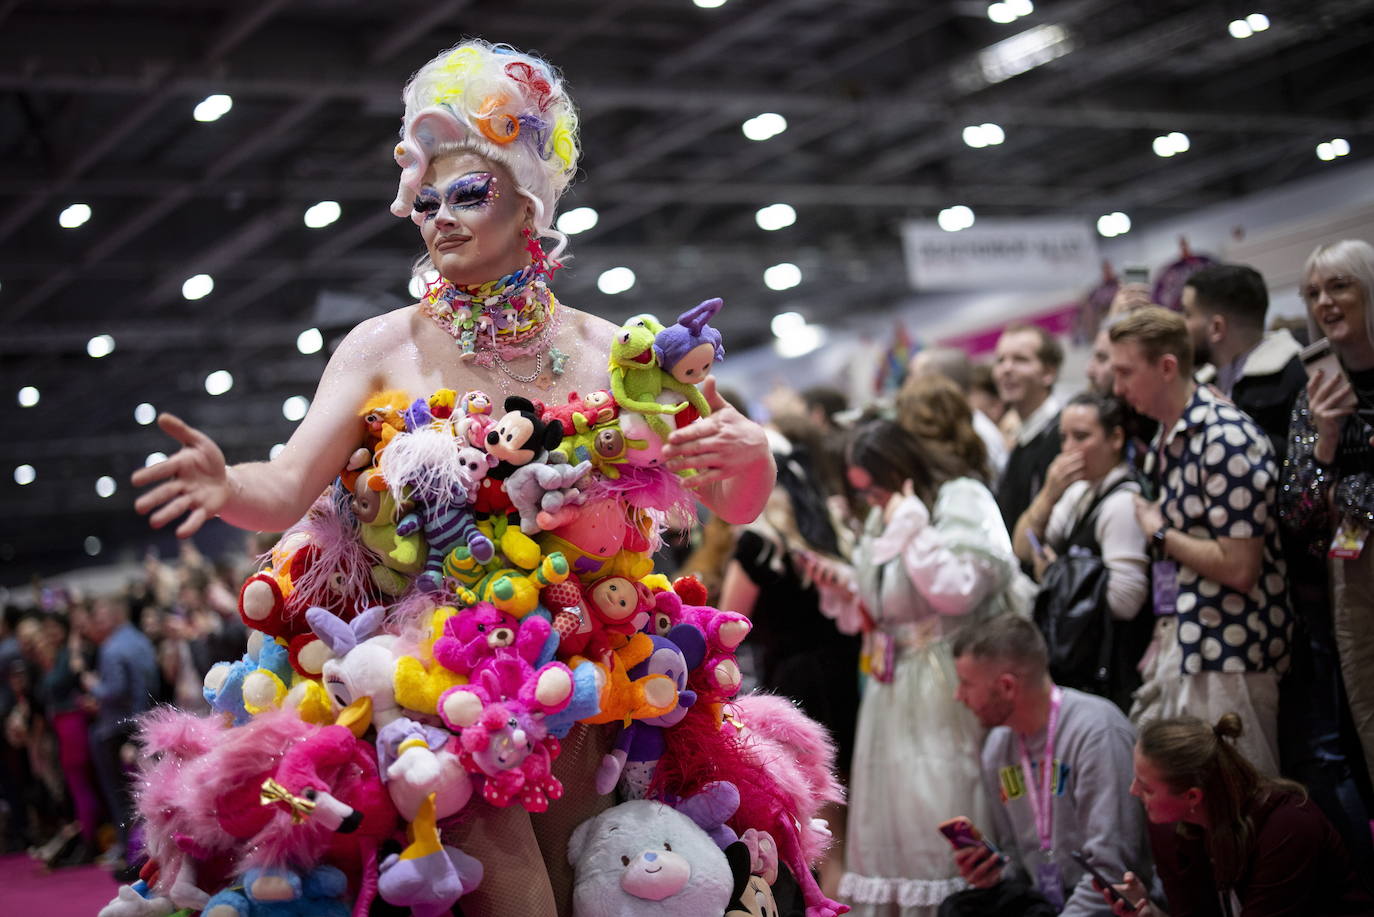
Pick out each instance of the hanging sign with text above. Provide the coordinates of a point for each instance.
(1001, 255)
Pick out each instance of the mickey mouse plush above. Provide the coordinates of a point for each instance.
(521, 436)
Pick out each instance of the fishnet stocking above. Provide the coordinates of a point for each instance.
(511, 843)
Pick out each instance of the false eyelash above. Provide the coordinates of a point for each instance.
(425, 205)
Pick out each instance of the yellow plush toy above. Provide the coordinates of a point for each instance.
(419, 679)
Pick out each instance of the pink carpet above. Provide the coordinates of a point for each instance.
(32, 891)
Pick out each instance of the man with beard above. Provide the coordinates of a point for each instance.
(1083, 741)
(1224, 306)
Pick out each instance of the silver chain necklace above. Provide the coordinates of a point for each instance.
(505, 368)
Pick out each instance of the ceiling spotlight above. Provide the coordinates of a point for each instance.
(956, 218)
(212, 108)
(579, 219)
(145, 414)
(24, 475)
(786, 323)
(783, 276)
(28, 396)
(1328, 150)
(1170, 144)
(985, 134)
(310, 340)
(422, 282)
(75, 215)
(1000, 13)
(294, 408)
(197, 286)
(775, 216)
(322, 214)
(1257, 21)
(102, 345)
(709, 4)
(764, 126)
(1020, 7)
(219, 382)
(153, 458)
(275, 450)
(105, 486)
(1113, 224)
(616, 280)
(800, 342)
(1239, 28)
(91, 545)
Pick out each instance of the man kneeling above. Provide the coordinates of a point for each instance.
(1060, 762)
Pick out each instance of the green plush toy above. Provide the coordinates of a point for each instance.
(637, 379)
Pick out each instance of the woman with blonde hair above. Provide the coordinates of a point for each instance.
(1227, 840)
(1327, 499)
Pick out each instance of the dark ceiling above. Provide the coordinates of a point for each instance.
(96, 108)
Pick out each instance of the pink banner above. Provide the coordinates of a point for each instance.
(1057, 321)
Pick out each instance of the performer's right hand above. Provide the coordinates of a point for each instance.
(195, 480)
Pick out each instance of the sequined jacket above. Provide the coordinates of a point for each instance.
(1304, 506)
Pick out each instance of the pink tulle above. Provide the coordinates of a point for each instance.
(656, 490)
(340, 577)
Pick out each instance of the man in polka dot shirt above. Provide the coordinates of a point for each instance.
(1221, 637)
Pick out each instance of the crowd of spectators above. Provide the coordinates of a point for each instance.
(77, 669)
(927, 581)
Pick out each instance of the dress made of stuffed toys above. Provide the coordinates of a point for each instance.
(478, 581)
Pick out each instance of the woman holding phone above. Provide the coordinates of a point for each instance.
(1228, 842)
(1327, 497)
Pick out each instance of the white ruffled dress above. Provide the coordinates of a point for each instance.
(916, 757)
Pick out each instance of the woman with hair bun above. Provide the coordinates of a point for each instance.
(1228, 841)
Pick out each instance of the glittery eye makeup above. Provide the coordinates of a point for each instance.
(476, 189)
(427, 202)
(472, 190)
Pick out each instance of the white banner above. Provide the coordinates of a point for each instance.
(1001, 254)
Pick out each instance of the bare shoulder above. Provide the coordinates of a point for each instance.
(390, 329)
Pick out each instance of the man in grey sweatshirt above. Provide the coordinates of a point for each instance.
(1083, 803)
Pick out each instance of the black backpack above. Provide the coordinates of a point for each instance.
(1089, 650)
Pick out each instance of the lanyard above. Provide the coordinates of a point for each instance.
(1042, 796)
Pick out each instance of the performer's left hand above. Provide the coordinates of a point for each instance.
(720, 446)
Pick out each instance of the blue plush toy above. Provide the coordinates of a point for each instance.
(282, 893)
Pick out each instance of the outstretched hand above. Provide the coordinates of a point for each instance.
(195, 481)
(718, 447)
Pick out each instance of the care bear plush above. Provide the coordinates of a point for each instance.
(646, 859)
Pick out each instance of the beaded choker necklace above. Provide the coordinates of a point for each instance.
(500, 320)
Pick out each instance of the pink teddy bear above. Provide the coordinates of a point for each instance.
(500, 721)
(483, 632)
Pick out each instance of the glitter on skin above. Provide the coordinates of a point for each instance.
(476, 189)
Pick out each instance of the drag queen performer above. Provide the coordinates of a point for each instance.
(488, 144)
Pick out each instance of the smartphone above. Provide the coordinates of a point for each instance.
(1081, 859)
(1319, 355)
(961, 833)
(1137, 274)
